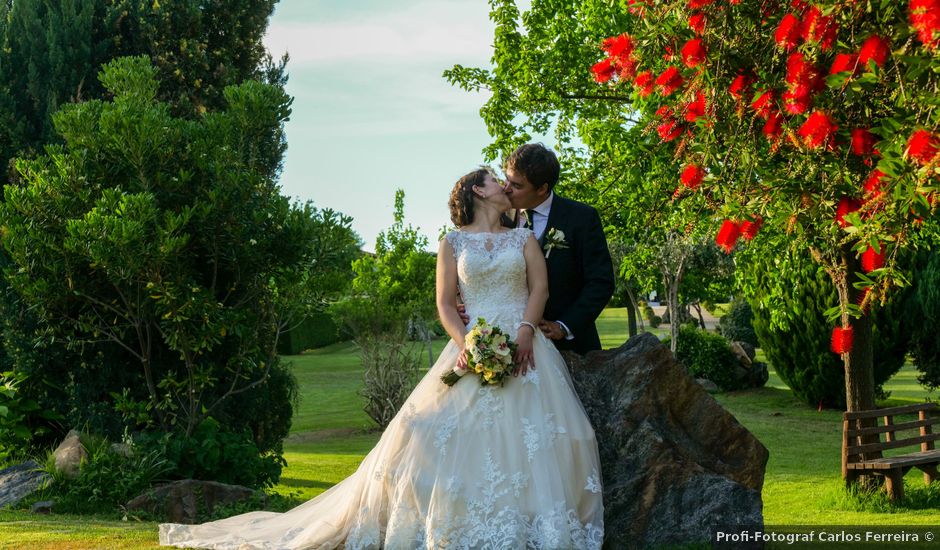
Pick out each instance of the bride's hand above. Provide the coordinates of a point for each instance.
(462, 359)
(524, 358)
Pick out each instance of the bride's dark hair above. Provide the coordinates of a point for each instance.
(461, 197)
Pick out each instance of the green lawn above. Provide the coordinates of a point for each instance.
(331, 434)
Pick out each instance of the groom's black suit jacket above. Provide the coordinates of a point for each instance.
(580, 277)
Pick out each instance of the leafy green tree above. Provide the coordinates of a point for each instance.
(391, 299)
(164, 237)
(816, 118)
(52, 51)
(50, 54)
(709, 279)
(607, 160)
(393, 289)
(738, 91)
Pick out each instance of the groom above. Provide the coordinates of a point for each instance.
(580, 272)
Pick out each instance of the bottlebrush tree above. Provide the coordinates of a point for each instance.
(817, 117)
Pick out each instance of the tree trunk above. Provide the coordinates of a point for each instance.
(859, 363)
(631, 311)
(674, 310)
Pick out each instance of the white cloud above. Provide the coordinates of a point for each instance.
(459, 32)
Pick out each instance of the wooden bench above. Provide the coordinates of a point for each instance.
(860, 429)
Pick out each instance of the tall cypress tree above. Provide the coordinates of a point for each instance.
(52, 51)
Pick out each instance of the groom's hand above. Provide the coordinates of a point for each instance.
(462, 311)
(552, 330)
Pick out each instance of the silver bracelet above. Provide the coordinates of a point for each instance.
(528, 324)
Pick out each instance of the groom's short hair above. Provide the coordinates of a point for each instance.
(537, 163)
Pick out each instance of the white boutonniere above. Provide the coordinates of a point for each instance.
(555, 238)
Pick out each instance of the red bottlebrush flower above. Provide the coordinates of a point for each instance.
(799, 5)
(627, 68)
(846, 206)
(618, 47)
(818, 130)
(787, 35)
(872, 259)
(875, 48)
(728, 235)
(819, 28)
(692, 176)
(699, 4)
(693, 53)
(740, 86)
(800, 71)
(925, 18)
(696, 108)
(644, 83)
(749, 228)
(863, 142)
(669, 81)
(797, 101)
(664, 111)
(842, 340)
(844, 62)
(669, 130)
(774, 126)
(764, 104)
(697, 22)
(603, 71)
(874, 183)
(922, 147)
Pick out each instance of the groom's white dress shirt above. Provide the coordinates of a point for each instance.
(539, 223)
(540, 216)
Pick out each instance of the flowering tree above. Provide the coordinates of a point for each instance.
(819, 118)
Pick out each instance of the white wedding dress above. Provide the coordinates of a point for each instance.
(467, 466)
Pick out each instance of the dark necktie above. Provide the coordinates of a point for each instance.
(530, 218)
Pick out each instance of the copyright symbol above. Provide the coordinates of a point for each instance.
(928, 536)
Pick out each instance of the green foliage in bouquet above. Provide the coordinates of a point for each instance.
(489, 355)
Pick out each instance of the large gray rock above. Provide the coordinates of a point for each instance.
(70, 454)
(676, 465)
(18, 482)
(186, 500)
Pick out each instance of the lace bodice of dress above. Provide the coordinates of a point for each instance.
(491, 274)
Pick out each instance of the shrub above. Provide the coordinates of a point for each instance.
(925, 307)
(789, 295)
(106, 479)
(391, 367)
(707, 355)
(315, 331)
(737, 325)
(214, 453)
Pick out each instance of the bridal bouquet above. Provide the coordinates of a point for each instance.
(489, 355)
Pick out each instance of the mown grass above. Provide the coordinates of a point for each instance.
(331, 434)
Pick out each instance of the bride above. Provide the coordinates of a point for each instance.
(462, 466)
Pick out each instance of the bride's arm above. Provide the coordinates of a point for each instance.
(537, 279)
(447, 293)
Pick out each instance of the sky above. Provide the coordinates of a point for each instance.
(372, 112)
